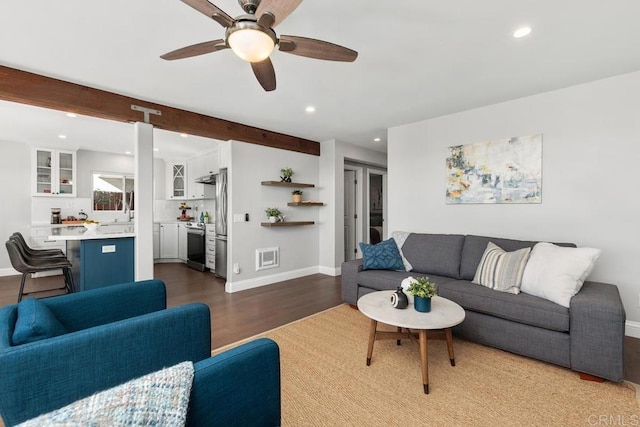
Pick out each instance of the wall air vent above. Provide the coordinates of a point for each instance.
(267, 258)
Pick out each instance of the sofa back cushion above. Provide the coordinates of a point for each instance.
(474, 247)
(436, 253)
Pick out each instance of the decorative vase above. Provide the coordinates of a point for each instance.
(422, 305)
(273, 219)
(285, 178)
(297, 198)
(399, 299)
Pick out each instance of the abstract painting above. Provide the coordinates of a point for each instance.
(502, 171)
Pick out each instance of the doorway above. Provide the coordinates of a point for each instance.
(376, 205)
(350, 215)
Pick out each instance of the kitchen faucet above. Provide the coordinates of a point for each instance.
(127, 207)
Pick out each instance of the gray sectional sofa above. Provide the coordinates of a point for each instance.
(587, 337)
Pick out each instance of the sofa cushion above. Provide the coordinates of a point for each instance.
(521, 308)
(381, 256)
(557, 273)
(384, 280)
(474, 247)
(160, 398)
(500, 270)
(437, 254)
(35, 322)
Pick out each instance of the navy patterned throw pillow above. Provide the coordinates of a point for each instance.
(381, 256)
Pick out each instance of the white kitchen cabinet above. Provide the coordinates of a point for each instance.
(182, 242)
(54, 172)
(169, 240)
(176, 180)
(197, 167)
(156, 240)
(210, 247)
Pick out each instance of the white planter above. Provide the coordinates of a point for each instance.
(273, 219)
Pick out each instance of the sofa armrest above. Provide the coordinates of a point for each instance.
(87, 309)
(597, 326)
(41, 376)
(239, 387)
(350, 270)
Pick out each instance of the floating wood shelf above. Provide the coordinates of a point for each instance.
(286, 224)
(305, 204)
(287, 184)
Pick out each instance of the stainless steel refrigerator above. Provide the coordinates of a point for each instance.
(221, 224)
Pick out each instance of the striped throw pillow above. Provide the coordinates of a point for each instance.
(501, 270)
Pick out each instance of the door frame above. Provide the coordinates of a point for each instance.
(359, 206)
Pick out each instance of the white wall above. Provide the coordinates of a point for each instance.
(15, 193)
(332, 159)
(591, 152)
(250, 165)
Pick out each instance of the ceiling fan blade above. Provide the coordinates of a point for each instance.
(265, 74)
(318, 49)
(195, 50)
(210, 10)
(279, 8)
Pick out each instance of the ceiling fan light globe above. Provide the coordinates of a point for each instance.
(251, 45)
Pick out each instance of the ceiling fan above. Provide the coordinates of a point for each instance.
(252, 38)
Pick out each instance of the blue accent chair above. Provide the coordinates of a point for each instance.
(122, 332)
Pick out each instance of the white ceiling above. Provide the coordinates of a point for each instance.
(417, 58)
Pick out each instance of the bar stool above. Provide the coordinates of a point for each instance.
(32, 265)
(20, 240)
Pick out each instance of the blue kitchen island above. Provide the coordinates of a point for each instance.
(100, 257)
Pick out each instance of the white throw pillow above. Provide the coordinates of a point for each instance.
(400, 237)
(501, 270)
(556, 273)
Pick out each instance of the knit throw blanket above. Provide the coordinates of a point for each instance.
(158, 399)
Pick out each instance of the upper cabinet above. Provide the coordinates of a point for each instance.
(176, 180)
(54, 172)
(181, 177)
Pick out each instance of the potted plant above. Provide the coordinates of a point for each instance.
(297, 196)
(422, 290)
(273, 214)
(287, 173)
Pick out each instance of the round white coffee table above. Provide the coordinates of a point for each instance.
(444, 315)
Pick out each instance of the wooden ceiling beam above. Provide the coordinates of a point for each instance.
(41, 91)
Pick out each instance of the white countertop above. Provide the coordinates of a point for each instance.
(102, 232)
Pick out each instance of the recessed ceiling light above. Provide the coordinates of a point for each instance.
(156, 149)
(521, 32)
(184, 135)
(310, 109)
(61, 136)
(72, 115)
(376, 139)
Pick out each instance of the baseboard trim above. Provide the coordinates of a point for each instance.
(8, 272)
(243, 285)
(331, 271)
(632, 329)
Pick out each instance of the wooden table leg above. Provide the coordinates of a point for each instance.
(398, 342)
(447, 333)
(372, 338)
(424, 361)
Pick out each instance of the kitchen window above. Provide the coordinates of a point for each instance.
(112, 192)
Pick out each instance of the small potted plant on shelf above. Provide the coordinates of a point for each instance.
(273, 214)
(422, 290)
(297, 196)
(287, 173)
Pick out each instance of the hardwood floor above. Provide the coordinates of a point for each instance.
(247, 313)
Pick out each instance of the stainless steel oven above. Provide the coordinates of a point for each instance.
(196, 247)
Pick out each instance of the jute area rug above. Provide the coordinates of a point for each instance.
(325, 382)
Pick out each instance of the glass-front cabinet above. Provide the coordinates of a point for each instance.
(54, 172)
(177, 184)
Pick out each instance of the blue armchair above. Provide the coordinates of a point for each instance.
(121, 332)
